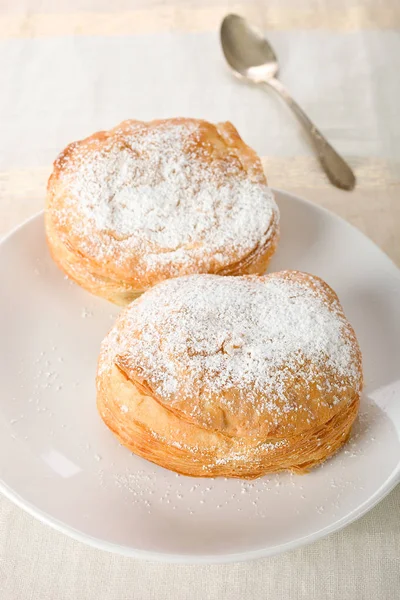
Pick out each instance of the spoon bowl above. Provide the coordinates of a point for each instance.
(247, 51)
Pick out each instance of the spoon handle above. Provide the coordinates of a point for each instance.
(338, 171)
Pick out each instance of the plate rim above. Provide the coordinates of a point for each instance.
(192, 559)
(223, 558)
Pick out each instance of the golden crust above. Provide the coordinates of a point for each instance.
(224, 222)
(247, 442)
(156, 434)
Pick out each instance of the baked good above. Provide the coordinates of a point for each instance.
(232, 376)
(144, 202)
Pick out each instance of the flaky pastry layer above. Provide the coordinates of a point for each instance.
(144, 202)
(153, 432)
(159, 391)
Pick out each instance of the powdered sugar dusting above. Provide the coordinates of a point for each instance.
(165, 196)
(240, 338)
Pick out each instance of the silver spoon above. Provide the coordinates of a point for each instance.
(251, 57)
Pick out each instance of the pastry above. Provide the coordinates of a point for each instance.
(144, 202)
(232, 376)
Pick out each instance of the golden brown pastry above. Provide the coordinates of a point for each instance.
(232, 376)
(144, 202)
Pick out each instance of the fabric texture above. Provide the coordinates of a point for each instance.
(73, 67)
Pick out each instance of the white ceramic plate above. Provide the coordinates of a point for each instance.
(60, 463)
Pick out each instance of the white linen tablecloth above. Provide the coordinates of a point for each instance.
(70, 68)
